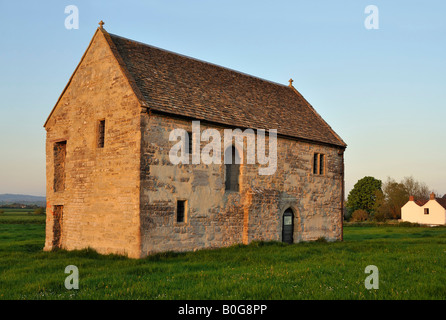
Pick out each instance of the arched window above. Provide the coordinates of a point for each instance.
(232, 168)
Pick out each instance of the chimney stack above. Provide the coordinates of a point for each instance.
(411, 198)
(432, 197)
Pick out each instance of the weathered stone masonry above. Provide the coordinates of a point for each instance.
(217, 217)
(101, 195)
(119, 194)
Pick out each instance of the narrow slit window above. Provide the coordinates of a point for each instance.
(101, 134)
(189, 143)
(315, 163)
(181, 210)
(426, 210)
(60, 152)
(319, 164)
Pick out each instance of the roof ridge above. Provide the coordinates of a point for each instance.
(199, 60)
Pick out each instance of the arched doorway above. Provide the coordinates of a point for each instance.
(287, 226)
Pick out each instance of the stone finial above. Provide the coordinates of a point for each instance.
(101, 24)
(291, 82)
(432, 197)
(411, 198)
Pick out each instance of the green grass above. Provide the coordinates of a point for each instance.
(19, 216)
(411, 262)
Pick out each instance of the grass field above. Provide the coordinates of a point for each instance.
(411, 263)
(19, 216)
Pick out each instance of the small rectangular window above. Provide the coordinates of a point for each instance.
(287, 220)
(101, 133)
(426, 210)
(319, 164)
(181, 210)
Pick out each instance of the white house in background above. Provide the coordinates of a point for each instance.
(431, 212)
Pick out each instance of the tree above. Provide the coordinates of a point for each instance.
(363, 195)
(415, 188)
(380, 210)
(396, 196)
(360, 215)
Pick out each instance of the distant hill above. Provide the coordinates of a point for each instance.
(22, 199)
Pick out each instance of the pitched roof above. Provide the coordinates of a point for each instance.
(441, 201)
(421, 202)
(180, 85)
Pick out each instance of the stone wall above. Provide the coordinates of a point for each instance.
(100, 197)
(217, 218)
(121, 198)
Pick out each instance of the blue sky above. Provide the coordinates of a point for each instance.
(383, 91)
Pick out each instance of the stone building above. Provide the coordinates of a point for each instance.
(111, 185)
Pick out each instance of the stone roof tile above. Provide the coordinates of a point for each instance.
(180, 85)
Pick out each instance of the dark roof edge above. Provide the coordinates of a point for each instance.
(173, 115)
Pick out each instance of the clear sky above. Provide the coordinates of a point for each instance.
(382, 90)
